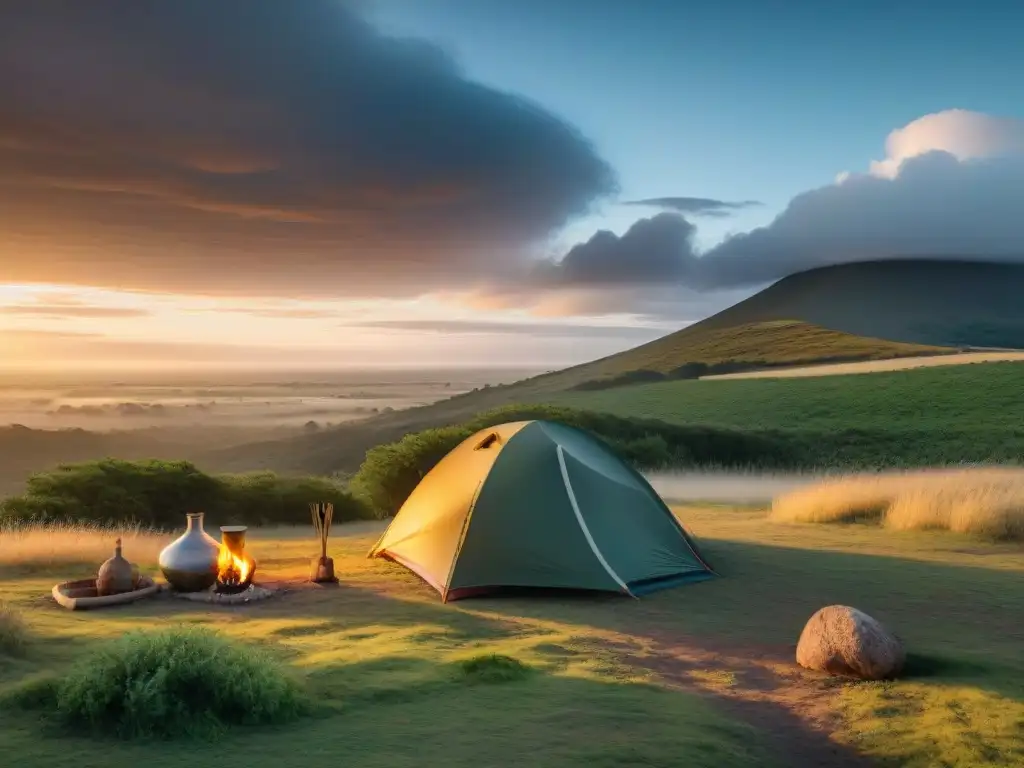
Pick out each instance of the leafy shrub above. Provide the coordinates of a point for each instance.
(181, 682)
(690, 371)
(390, 472)
(159, 493)
(264, 498)
(650, 451)
(13, 631)
(150, 492)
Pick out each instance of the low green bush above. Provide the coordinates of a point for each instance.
(175, 683)
(390, 472)
(265, 498)
(158, 493)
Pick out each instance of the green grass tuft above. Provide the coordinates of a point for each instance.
(14, 634)
(34, 693)
(185, 682)
(493, 668)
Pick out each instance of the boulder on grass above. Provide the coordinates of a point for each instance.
(844, 641)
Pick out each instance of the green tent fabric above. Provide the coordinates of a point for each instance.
(539, 504)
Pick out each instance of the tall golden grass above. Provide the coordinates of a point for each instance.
(987, 502)
(39, 545)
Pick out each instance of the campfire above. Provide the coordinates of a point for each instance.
(235, 567)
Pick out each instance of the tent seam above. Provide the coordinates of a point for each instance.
(462, 538)
(583, 525)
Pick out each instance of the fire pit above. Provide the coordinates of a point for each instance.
(235, 571)
(235, 567)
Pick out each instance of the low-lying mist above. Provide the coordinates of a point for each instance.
(727, 486)
(234, 401)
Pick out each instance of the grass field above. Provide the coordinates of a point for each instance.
(695, 676)
(929, 416)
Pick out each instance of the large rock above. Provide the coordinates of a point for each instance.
(844, 641)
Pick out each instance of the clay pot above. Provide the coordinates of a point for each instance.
(189, 563)
(116, 575)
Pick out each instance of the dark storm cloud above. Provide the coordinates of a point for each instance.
(70, 311)
(651, 252)
(695, 206)
(935, 206)
(649, 270)
(258, 146)
(548, 330)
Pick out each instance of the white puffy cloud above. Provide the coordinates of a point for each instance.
(951, 186)
(963, 134)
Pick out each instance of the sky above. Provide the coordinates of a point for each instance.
(382, 183)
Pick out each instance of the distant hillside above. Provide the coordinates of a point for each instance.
(933, 302)
(25, 451)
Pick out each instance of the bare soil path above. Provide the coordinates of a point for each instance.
(876, 366)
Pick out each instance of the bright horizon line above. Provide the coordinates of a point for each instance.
(19, 375)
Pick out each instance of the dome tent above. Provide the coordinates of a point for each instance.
(538, 504)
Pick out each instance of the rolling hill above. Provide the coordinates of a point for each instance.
(918, 301)
(872, 310)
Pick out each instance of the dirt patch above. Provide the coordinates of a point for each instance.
(761, 686)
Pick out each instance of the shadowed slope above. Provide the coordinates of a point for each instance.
(923, 301)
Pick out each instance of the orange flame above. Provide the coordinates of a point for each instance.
(230, 567)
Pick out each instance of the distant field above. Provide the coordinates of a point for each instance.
(876, 366)
(928, 416)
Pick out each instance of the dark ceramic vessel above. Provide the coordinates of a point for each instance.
(116, 575)
(189, 563)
